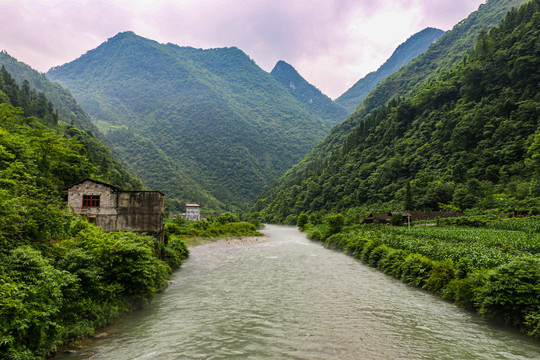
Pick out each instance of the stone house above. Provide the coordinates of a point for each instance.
(114, 209)
(193, 212)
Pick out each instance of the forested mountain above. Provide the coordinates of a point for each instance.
(37, 104)
(220, 118)
(440, 56)
(470, 138)
(404, 53)
(308, 94)
(69, 110)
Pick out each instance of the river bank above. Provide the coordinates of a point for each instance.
(290, 298)
(490, 270)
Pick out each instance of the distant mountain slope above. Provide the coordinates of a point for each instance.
(228, 123)
(109, 168)
(308, 94)
(441, 56)
(469, 138)
(68, 108)
(404, 53)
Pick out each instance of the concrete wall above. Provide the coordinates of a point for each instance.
(139, 211)
(193, 213)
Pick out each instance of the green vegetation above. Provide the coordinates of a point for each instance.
(312, 98)
(214, 116)
(60, 276)
(469, 139)
(227, 225)
(304, 189)
(404, 53)
(494, 272)
(22, 84)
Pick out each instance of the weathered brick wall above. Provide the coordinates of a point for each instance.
(139, 211)
(107, 201)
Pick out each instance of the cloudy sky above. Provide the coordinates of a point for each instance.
(332, 43)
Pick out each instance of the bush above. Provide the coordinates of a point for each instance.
(355, 246)
(227, 217)
(511, 292)
(397, 220)
(302, 221)
(391, 263)
(337, 241)
(415, 269)
(335, 223)
(174, 252)
(377, 254)
(440, 276)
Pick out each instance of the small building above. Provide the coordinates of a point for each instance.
(193, 212)
(114, 209)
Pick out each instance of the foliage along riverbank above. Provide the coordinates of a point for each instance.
(491, 267)
(225, 226)
(60, 276)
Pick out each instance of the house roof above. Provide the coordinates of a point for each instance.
(108, 185)
(92, 180)
(193, 205)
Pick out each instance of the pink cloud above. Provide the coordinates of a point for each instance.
(331, 42)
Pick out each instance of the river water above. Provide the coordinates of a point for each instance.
(286, 297)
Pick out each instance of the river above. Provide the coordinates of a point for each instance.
(286, 297)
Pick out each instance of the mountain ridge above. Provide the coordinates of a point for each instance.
(309, 95)
(226, 122)
(402, 55)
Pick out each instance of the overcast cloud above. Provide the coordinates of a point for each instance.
(332, 43)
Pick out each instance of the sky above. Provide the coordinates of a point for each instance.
(332, 43)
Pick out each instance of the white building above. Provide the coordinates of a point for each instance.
(193, 212)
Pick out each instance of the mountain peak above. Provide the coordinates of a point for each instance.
(404, 53)
(308, 94)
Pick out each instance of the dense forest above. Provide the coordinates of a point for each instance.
(221, 121)
(468, 139)
(60, 276)
(440, 56)
(69, 118)
(404, 53)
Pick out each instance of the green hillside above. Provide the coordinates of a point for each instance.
(414, 46)
(69, 110)
(441, 56)
(215, 113)
(35, 103)
(308, 94)
(470, 138)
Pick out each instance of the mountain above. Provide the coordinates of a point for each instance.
(448, 51)
(218, 117)
(68, 109)
(308, 94)
(78, 123)
(414, 46)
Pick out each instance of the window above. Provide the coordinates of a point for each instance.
(92, 219)
(90, 201)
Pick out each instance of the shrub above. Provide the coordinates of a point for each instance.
(335, 223)
(415, 269)
(441, 274)
(511, 292)
(377, 254)
(355, 246)
(302, 221)
(336, 241)
(391, 263)
(174, 252)
(368, 247)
